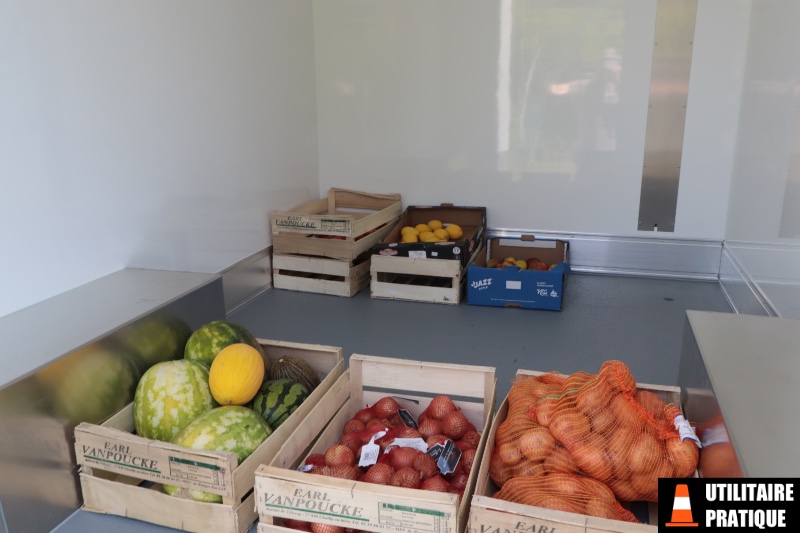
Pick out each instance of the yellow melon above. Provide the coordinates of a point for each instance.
(236, 374)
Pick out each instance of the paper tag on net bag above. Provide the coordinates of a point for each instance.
(371, 451)
(686, 431)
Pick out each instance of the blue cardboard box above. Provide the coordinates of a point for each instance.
(513, 286)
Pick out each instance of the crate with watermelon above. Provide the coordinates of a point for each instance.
(581, 452)
(396, 448)
(324, 246)
(183, 454)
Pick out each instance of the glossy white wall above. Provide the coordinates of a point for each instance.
(763, 229)
(148, 134)
(536, 109)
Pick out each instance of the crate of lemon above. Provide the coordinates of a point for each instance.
(425, 257)
(176, 480)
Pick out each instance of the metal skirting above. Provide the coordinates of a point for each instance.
(247, 279)
(666, 114)
(743, 294)
(675, 258)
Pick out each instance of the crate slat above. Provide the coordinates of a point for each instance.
(314, 274)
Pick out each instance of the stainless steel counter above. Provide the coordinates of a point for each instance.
(739, 375)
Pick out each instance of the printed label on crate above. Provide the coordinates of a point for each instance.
(307, 224)
(417, 254)
(113, 454)
(304, 503)
(196, 471)
(408, 517)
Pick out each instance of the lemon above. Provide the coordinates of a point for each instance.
(435, 224)
(455, 231)
(409, 229)
(422, 228)
(427, 236)
(410, 237)
(441, 234)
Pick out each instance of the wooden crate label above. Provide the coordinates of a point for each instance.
(115, 451)
(353, 507)
(406, 517)
(339, 502)
(195, 471)
(314, 224)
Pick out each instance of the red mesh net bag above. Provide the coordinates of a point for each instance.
(597, 425)
(566, 492)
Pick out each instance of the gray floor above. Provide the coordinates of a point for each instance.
(637, 320)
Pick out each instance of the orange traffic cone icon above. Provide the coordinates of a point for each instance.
(682, 508)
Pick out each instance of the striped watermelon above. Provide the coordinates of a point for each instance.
(205, 343)
(231, 428)
(169, 396)
(278, 399)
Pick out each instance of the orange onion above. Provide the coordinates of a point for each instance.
(626, 414)
(652, 404)
(593, 397)
(509, 453)
(558, 503)
(560, 461)
(536, 444)
(645, 453)
(544, 409)
(683, 455)
(590, 456)
(570, 427)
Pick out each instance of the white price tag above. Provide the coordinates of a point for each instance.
(715, 435)
(513, 285)
(370, 452)
(417, 254)
(685, 430)
(417, 444)
(305, 468)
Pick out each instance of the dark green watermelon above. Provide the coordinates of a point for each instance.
(277, 399)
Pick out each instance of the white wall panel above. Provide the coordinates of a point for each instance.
(763, 225)
(536, 109)
(148, 134)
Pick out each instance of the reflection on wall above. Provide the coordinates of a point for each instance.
(763, 227)
(39, 485)
(561, 84)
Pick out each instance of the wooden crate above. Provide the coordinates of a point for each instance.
(122, 473)
(356, 221)
(441, 281)
(367, 506)
(321, 275)
(491, 514)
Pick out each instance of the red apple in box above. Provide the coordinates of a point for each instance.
(534, 263)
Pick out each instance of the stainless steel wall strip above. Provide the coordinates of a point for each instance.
(676, 258)
(666, 115)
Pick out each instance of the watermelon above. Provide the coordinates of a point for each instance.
(230, 428)
(89, 385)
(169, 396)
(205, 343)
(277, 399)
(154, 339)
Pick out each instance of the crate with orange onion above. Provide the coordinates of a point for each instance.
(582, 452)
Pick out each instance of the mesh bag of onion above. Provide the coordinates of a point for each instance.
(595, 425)
(566, 492)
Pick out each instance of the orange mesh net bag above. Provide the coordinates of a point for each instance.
(566, 492)
(597, 425)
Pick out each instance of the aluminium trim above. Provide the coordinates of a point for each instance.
(672, 258)
(743, 294)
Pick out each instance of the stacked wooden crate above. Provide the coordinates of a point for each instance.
(325, 246)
